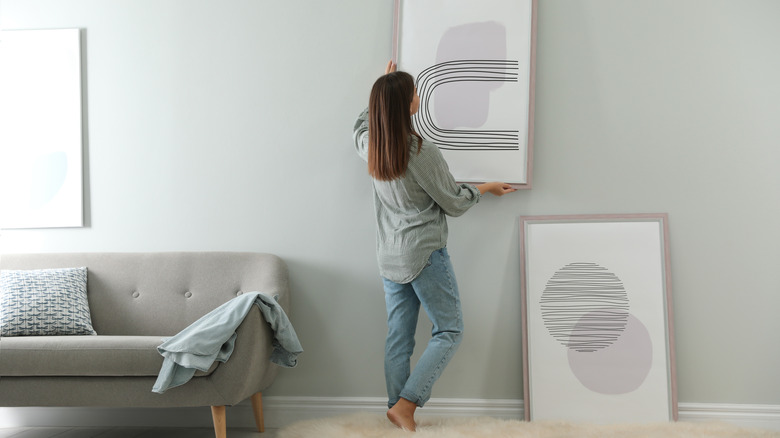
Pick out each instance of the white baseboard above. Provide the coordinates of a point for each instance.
(756, 416)
(282, 411)
(287, 410)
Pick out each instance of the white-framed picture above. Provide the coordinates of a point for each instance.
(598, 342)
(41, 176)
(473, 64)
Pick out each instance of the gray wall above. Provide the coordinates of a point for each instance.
(225, 125)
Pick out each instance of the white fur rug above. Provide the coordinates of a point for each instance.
(377, 426)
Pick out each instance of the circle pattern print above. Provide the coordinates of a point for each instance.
(584, 307)
(619, 369)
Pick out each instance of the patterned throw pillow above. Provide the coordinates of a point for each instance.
(44, 302)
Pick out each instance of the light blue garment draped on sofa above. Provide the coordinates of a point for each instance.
(212, 337)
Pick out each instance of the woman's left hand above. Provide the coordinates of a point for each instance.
(391, 67)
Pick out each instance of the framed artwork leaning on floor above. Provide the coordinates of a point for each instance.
(598, 343)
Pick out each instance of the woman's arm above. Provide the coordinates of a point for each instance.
(496, 188)
(360, 135)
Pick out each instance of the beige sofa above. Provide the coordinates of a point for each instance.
(135, 300)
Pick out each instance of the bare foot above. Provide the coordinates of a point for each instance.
(402, 415)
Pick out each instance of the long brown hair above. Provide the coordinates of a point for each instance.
(390, 126)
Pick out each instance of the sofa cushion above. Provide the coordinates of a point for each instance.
(82, 356)
(44, 302)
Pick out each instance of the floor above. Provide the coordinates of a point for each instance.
(128, 432)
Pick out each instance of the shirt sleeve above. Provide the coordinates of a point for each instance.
(360, 135)
(433, 175)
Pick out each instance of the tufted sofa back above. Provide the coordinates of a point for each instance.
(159, 294)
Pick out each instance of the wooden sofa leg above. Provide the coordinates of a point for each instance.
(257, 408)
(220, 426)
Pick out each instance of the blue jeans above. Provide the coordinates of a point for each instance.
(436, 289)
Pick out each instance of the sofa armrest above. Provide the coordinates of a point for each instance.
(249, 369)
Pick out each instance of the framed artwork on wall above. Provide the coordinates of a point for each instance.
(41, 176)
(473, 64)
(598, 342)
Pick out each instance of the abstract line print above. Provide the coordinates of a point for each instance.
(460, 71)
(597, 338)
(473, 65)
(585, 307)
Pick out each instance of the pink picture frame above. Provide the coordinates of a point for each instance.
(597, 321)
(474, 67)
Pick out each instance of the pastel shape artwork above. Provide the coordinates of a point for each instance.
(620, 368)
(585, 307)
(466, 103)
(455, 92)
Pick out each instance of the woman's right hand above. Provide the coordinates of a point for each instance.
(496, 188)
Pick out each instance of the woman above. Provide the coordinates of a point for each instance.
(413, 193)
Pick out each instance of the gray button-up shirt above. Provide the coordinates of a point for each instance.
(410, 211)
